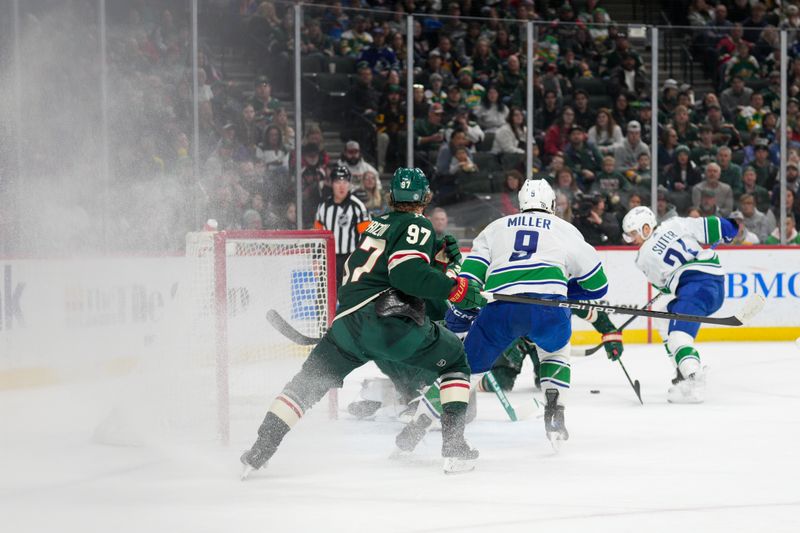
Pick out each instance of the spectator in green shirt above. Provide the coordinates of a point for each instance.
(730, 172)
(792, 236)
(705, 151)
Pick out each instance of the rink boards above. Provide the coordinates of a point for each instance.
(69, 317)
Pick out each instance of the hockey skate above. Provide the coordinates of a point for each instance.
(691, 389)
(554, 426)
(459, 458)
(256, 457)
(410, 436)
(364, 409)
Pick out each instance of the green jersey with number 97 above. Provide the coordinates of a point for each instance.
(397, 250)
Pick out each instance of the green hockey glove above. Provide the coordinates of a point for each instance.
(612, 342)
(466, 294)
(449, 253)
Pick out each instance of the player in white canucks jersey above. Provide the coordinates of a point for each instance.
(536, 253)
(671, 258)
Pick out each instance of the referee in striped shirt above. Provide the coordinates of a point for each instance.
(344, 215)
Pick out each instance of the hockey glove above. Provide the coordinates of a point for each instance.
(730, 228)
(466, 294)
(612, 342)
(449, 254)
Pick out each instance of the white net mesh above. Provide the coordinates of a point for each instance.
(254, 272)
(217, 365)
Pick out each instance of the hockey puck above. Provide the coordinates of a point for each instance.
(594, 391)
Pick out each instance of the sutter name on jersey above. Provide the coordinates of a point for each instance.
(663, 242)
(530, 221)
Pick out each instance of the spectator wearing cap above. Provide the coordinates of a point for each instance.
(583, 158)
(598, 226)
(452, 103)
(744, 237)
(751, 187)
(669, 98)
(461, 122)
(705, 151)
(421, 103)
(722, 191)
(450, 60)
(429, 133)
(629, 78)
(511, 138)
(621, 49)
(436, 92)
(766, 172)
(314, 41)
(626, 153)
(492, 112)
(433, 67)
(723, 132)
(682, 174)
(730, 172)
(344, 215)
(390, 121)
(471, 93)
(377, 54)
(363, 99)
(356, 38)
(264, 104)
(755, 220)
(584, 115)
(735, 97)
(355, 163)
(664, 209)
(605, 133)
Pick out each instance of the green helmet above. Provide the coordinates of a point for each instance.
(409, 185)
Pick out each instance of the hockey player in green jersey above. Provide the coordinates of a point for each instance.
(381, 316)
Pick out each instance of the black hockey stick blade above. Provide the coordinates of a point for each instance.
(637, 388)
(286, 329)
(752, 306)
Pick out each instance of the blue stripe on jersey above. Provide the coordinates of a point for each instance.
(549, 282)
(517, 267)
(591, 272)
(478, 258)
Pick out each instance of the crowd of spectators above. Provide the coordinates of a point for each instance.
(717, 152)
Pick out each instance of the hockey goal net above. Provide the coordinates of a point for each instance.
(234, 278)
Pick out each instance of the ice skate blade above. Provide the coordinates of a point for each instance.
(400, 455)
(246, 471)
(454, 465)
(556, 441)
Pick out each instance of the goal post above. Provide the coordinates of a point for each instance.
(235, 277)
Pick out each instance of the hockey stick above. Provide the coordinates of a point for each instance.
(585, 352)
(501, 396)
(637, 388)
(750, 308)
(286, 329)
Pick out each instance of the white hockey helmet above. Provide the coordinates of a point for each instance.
(635, 220)
(537, 195)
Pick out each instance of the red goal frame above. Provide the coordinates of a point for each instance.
(221, 307)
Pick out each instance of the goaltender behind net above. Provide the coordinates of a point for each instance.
(381, 317)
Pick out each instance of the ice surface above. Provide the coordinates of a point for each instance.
(730, 464)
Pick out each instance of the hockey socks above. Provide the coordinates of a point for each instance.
(282, 415)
